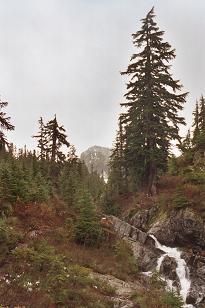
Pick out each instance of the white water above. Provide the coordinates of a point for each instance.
(181, 270)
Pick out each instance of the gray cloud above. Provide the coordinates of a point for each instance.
(64, 57)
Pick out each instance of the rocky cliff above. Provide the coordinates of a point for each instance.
(96, 159)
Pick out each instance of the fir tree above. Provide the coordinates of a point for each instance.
(56, 138)
(202, 114)
(198, 139)
(186, 144)
(87, 230)
(201, 137)
(153, 103)
(118, 174)
(196, 124)
(42, 140)
(4, 125)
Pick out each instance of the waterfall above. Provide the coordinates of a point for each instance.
(181, 270)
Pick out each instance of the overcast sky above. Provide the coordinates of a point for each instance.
(64, 57)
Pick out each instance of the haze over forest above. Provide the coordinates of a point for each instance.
(64, 57)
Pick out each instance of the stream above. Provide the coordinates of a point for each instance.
(181, 270)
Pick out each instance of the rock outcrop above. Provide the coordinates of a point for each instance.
(142, 245)
(186, 229)
(196, 263)
(182, 228)
(122, 289)
(143, 217)
(96, 159)
(124, 229)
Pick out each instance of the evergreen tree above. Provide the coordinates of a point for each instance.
(72, 157)
(118, 174)
(87, 231)
(196, 124)
(4, 125)
(153, 102)
(198, 139)
(201, 114)
(56, 138)
(42, 140)
(186, 145)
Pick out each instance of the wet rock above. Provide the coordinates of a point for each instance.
(181, 228)
(196, 262)
(146, 256)
(142, 218)
(191, 298)
(123, 229)
(168, 269)
(142, 244)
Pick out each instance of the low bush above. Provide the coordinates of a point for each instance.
(8, 239)
(39, 272)
(179, 201)
(195, 177)
(87, 230)
(125, 259)
(6, 209)
(155, 295)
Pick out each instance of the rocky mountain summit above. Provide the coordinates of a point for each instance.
(96, 159)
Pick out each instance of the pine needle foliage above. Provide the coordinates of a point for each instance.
(153, 101)
(4, 125)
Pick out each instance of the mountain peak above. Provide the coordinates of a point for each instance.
(96, 159)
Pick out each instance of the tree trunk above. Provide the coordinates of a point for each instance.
(152, 176)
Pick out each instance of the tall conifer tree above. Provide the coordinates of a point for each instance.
(4, 125)
(56, 138)
(200, 145)
(153, 103)
(201, 116)
(42, 140)
(196, 124)
(118, 174)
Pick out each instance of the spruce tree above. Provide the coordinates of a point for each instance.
(56, 138)
(42, 140)
(153, 101)
(186, 144)
(196, 124)
(4, 125)
(118, 174)
(87, 231)
(201, 115)
(201, 137)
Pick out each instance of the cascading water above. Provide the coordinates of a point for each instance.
(181, 270)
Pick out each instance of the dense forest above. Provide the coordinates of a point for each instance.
(57, 240)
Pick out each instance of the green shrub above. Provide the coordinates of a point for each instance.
(6, 208)
(8, 239)
(155, 295)
(172, 299)
(87, 230)
(180, 201)
(195, 177)
(125, 258)
(105, 287)
(19, 182)
(41, 271)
